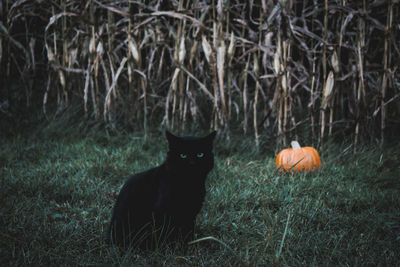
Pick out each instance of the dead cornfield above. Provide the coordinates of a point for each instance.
(263, 66)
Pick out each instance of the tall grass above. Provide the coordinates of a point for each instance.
(267, 65)
(57, 193)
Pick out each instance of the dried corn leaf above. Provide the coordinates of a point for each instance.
(335, 62)
(231, 48)
(206, 48)
(134, 50)
(182, 50)
(328, 90)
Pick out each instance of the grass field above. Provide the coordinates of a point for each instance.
(57, 192)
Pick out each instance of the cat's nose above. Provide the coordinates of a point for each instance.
(191, 162)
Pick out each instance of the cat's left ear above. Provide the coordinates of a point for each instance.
(210, 137)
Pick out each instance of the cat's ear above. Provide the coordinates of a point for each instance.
(210, 137)
(170, 137)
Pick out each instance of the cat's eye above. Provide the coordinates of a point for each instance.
(200, 155)
(183, 156)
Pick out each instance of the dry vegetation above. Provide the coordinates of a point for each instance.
(264, 65)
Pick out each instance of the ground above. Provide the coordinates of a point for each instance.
(57, 192)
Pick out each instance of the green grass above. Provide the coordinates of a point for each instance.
(57, 193)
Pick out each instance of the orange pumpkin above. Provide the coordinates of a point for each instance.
(298, 158)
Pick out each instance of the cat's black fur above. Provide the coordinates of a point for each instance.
(160, 205)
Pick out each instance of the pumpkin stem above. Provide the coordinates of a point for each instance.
(295, 145)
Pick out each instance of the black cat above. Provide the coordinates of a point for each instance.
(160, 205)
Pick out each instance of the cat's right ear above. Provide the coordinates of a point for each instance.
(170, 137)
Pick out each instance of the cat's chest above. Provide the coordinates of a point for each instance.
(182, 196)
(182, 193)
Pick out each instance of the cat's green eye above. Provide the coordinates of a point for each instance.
(183, 156)
(200, 155)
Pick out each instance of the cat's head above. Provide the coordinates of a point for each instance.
(190, 154)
